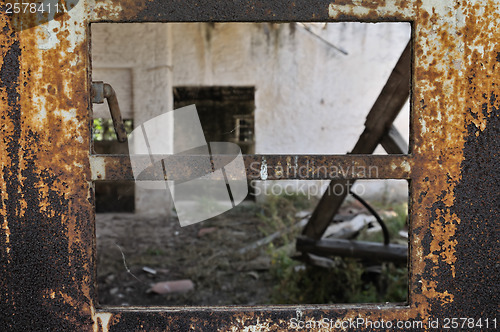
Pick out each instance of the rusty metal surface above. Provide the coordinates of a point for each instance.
(251, 10)
(47, 233)
(97, 92)
(47, 239)
(262, 167)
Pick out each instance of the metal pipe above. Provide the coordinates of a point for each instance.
(114, 108)
(375, 214)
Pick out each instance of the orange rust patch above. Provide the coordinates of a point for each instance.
(47, 230)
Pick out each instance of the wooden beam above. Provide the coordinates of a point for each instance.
(374, 251)
(378, 122)
(394, 143)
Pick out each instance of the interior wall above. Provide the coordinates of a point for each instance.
(310, 98)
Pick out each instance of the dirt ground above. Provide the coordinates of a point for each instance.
(219, 256)
(206, 253)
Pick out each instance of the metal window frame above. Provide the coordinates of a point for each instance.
(47, 237)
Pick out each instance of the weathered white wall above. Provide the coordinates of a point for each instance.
(310, 98)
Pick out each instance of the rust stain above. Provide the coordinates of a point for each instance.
(208, 11)
(44, 181)
(108, 167)
(47, 249)
(372, 10)
(448, 104)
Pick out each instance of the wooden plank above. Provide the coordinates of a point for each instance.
(378, 122)
(394, 143)
(373, 251)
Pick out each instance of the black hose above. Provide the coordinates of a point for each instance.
(375, 214)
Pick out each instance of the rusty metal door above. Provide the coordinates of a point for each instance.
(47, 238)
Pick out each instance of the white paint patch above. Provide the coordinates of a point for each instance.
(457, 64)
(76, 26)
(263, 169)
(41, 115)
(51, 39)
(336, 10)
(97, 168)
(67, 116)
(105, 317)
(406, 166)
(112, 10)
(424, 128)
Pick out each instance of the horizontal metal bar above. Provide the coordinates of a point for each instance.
(257, 167)
(241, 318)
(251, 11)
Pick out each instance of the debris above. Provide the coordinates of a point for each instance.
(299, 268)
(273, 236)
(303, 214)
(175, 286)
(287, 249)
(374, 269)
(163, 271)
(253, 274)
(318, 261)
(374, 229)
(259, 264)
(206, 230)
(346, 229)
(149, 270)
(110, 278)
(389, 214)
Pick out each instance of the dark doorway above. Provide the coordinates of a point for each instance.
(226, 113)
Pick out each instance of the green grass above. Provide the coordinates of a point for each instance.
(278, 214)
(348, 281)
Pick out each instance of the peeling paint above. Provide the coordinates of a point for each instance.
(50, 41)
(47, 239)
(406, 166)
(98, 167)
(102, 320)
(263, 170)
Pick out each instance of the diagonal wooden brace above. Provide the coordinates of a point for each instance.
(378, 130)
